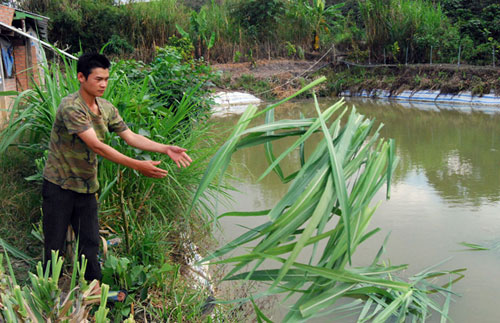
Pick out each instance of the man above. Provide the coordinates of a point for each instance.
(70, 175)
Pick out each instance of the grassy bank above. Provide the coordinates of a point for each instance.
(277, 79)
(165, 100)
(396, 31)
(20, 209)
(445, 78)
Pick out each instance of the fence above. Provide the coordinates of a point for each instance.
(486, 57)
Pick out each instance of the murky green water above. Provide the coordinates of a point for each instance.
(446, 190)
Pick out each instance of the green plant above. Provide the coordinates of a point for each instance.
(249, 83)
(300, 52)
(416, 26)
(169, 78)
(42, 300)
(395, 49)
(259, 17)
(479, 89)
(184, 46)
(290, 49)
(174, 299)
(86, 22)
(121, 273)
(205, 39)
(322, 18)
(20, 202)
(472, 19)
(237, 56)
(164, 100)
(327, 201)
(118, 45)
(417, 79)
(34, 110)
(159, 290)
(443, 75)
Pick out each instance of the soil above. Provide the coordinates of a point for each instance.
(265, 68)
(284, 77)
(281, 76)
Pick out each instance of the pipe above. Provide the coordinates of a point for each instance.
(38, 40)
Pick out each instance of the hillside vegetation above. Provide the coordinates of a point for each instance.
(368, 31)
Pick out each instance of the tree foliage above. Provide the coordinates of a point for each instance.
(397, 30)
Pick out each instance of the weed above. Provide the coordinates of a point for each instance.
(42, 300)
(417, 79)
(479, 89)
(442, 75)
(20, 202)
(237, 56)
(300, 52)
(249, 83)
(290, 49)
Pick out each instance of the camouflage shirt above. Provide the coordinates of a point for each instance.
(71, 164)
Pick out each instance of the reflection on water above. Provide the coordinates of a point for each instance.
(445, 190)
(457, 152)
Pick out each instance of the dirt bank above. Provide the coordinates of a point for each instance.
(279, 78)
(266, 78)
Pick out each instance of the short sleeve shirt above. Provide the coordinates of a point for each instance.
(71, 164)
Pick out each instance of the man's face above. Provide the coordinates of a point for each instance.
(97, 81)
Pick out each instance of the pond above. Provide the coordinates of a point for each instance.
(446, 190)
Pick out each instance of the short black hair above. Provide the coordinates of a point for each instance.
(88, 61)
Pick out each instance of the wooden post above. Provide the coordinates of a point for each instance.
(493, 54)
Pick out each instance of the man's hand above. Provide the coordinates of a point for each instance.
(178, 155)
(147, 168)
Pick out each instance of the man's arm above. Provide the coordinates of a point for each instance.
(145, 167)
(177, 154)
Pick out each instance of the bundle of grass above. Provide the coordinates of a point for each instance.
(327, 204)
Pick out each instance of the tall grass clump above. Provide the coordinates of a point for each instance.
(315, 24)
(213, 31)
(151, 24)
(34, 110)
(304, 247)
(42, 299)
(394, 26)
(168, 101)
(226, 32)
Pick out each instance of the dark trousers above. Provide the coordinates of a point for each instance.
(64, 207)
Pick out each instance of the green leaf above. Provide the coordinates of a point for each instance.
(392, 308)
(16, 252)
(322, 209)
(182, 31)
(244, 214)
(324, 300)
(260, 315)
(9, 93)
(337, 171)
(474, 246)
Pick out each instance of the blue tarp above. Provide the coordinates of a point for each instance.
(8, 59)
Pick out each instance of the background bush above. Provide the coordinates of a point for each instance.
(399, 31)
(167, 101)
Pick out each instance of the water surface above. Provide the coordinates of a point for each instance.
(446, 190)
